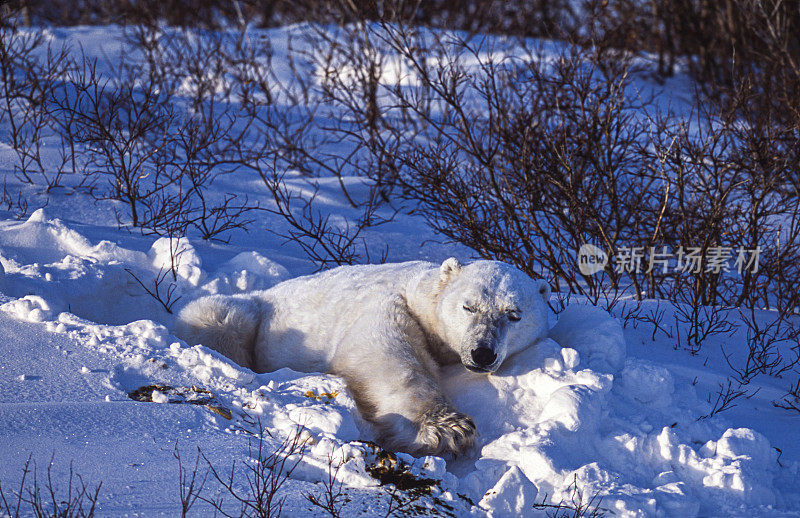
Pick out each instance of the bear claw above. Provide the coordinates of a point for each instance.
(446, 431)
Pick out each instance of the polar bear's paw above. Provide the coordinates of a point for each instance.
(443, 430)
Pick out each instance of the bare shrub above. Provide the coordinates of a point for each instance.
(332, 500)
(358, 69)
(214, 220)
(63, 110)
(655, 317)
(163, 287)
(299, 139)
(190, 63)
(562, 300)
(700, 182)
(45, 498)
(522, 17)
(161, 292)
(725, 397)
(196, 155)
(717, 38)
(579, 504)
(263, 474)
(724, 39)
(190, 484)
(16, 203)
(526, 159)
(695, 323)
(400, 502)
(773, 347)
(155, 157)
(790, 400)
(200, 13)
(122, 128)
(27, 80)
(325, 242)
(255, 136)
(731, 217)
(629, 314)
(509, 163)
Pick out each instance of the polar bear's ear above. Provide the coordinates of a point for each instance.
(544, 289)
(449, 268)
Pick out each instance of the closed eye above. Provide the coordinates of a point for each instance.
(469, 308)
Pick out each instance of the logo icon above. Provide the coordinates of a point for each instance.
(591, 259)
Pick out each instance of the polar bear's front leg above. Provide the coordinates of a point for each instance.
(444, 430)
(394, 381)
(408, 409)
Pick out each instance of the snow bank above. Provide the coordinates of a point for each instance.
(99, 281)
(568, 424)
(247, 271)
(597, 338)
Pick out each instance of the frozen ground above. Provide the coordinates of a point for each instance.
(606, 411)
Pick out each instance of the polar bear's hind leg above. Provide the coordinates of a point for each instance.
(223, 323)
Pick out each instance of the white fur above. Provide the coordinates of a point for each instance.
(386, 330)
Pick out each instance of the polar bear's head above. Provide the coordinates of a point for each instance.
(488, 310)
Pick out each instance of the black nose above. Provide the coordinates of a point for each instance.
(483, 356)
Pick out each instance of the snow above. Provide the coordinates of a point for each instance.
(595, 408)
(511, 496)
(601, 345)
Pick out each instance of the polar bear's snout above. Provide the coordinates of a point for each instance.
(483, 349)
(483, 356)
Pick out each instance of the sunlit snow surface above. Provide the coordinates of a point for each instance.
(611, 412)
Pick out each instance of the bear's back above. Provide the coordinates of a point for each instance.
(308, 317)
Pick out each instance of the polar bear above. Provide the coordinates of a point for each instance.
(386, 330)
